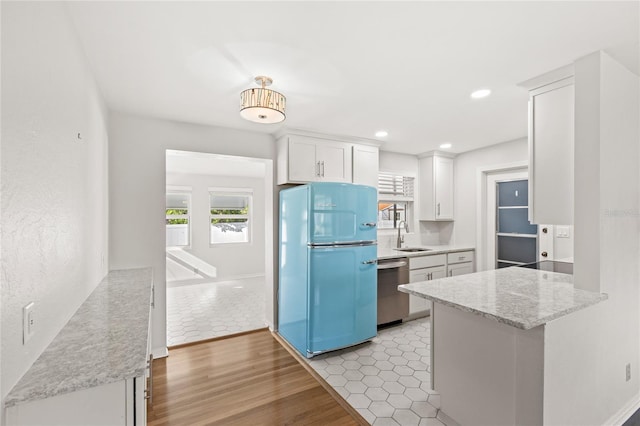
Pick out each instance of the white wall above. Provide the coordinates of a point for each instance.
(54, 185)
(137, 187)
(465, 183)
(230, 260)
(607, 254)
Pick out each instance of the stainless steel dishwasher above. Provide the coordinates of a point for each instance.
(393, 305)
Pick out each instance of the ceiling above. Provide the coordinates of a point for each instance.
(199, 163)
(348, 68)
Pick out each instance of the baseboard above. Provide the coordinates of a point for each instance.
(214, 339)
(446, 419)
(161, 352)
(625, 412)
(193, 281)
(416, 315)
(339, 399)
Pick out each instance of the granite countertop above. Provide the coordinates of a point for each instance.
(392, 253)
(105, 341)
(520, 297)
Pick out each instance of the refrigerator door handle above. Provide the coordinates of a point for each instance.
(370, 262)
(337, 244)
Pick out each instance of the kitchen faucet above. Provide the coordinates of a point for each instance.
(406, 229)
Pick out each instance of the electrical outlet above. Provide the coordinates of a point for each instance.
(28, 322)
(628, 372)
(562, 232)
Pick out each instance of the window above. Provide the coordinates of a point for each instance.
(230, 217)
(395, 200)
(177, 219)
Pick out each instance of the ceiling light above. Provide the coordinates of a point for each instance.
(445, 145)
(262, 105)
(381, 133)
(482, 93)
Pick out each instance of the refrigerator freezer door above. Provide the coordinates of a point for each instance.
(342, 212)
(342, 297)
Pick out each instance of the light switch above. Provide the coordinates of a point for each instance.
(28, 322)
(562, 232)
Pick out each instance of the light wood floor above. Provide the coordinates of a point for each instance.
(244, 380)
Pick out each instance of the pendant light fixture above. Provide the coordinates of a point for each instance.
(262, 105)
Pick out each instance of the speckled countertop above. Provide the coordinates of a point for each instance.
(520, 297)
(105, 341)
(391, 253)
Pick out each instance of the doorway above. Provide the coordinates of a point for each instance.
(218, 221)
(516, 239)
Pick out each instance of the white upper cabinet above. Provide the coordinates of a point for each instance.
(303, 159)
(365, 165)
(436, 188)
(551, 141)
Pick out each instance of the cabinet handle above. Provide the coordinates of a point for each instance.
(322, 168)
(545, 254)
(450, 272)
(149, 395)
(430, 277)
(438, 209)
(370, 224)
(370, 262)
(461, 257)
(318, 168)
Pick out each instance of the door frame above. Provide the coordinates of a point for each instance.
(482, 233)
(492, 180)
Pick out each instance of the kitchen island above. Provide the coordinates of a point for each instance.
(498, 342)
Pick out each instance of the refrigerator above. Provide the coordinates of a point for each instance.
(327, 286)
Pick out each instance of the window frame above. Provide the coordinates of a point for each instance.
(189, 194)
(395, 198)
(241, 192)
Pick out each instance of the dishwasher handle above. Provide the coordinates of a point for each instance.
(392, 265)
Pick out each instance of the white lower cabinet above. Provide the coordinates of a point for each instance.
(424, 268)
(119, 403)
(460, 263)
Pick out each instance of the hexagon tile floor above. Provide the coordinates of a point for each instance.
(203, 311)
(387, 380)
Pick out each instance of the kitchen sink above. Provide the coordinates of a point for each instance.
(412, 249)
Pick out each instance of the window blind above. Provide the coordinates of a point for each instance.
(396, 187)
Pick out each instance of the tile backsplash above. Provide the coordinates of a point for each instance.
(431, 234)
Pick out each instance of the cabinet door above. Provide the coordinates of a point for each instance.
(303, 166)
(105, 405)
(334, 161)
(365, 165)
(551, 126)
(444, 188)
(460, 269)
(419, 304)
(439, 272)
(436, 188)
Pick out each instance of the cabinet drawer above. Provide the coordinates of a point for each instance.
(426, 261)
(459, 257)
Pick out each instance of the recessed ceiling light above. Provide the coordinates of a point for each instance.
(445, 145)
(381, 133)
(482, 93)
